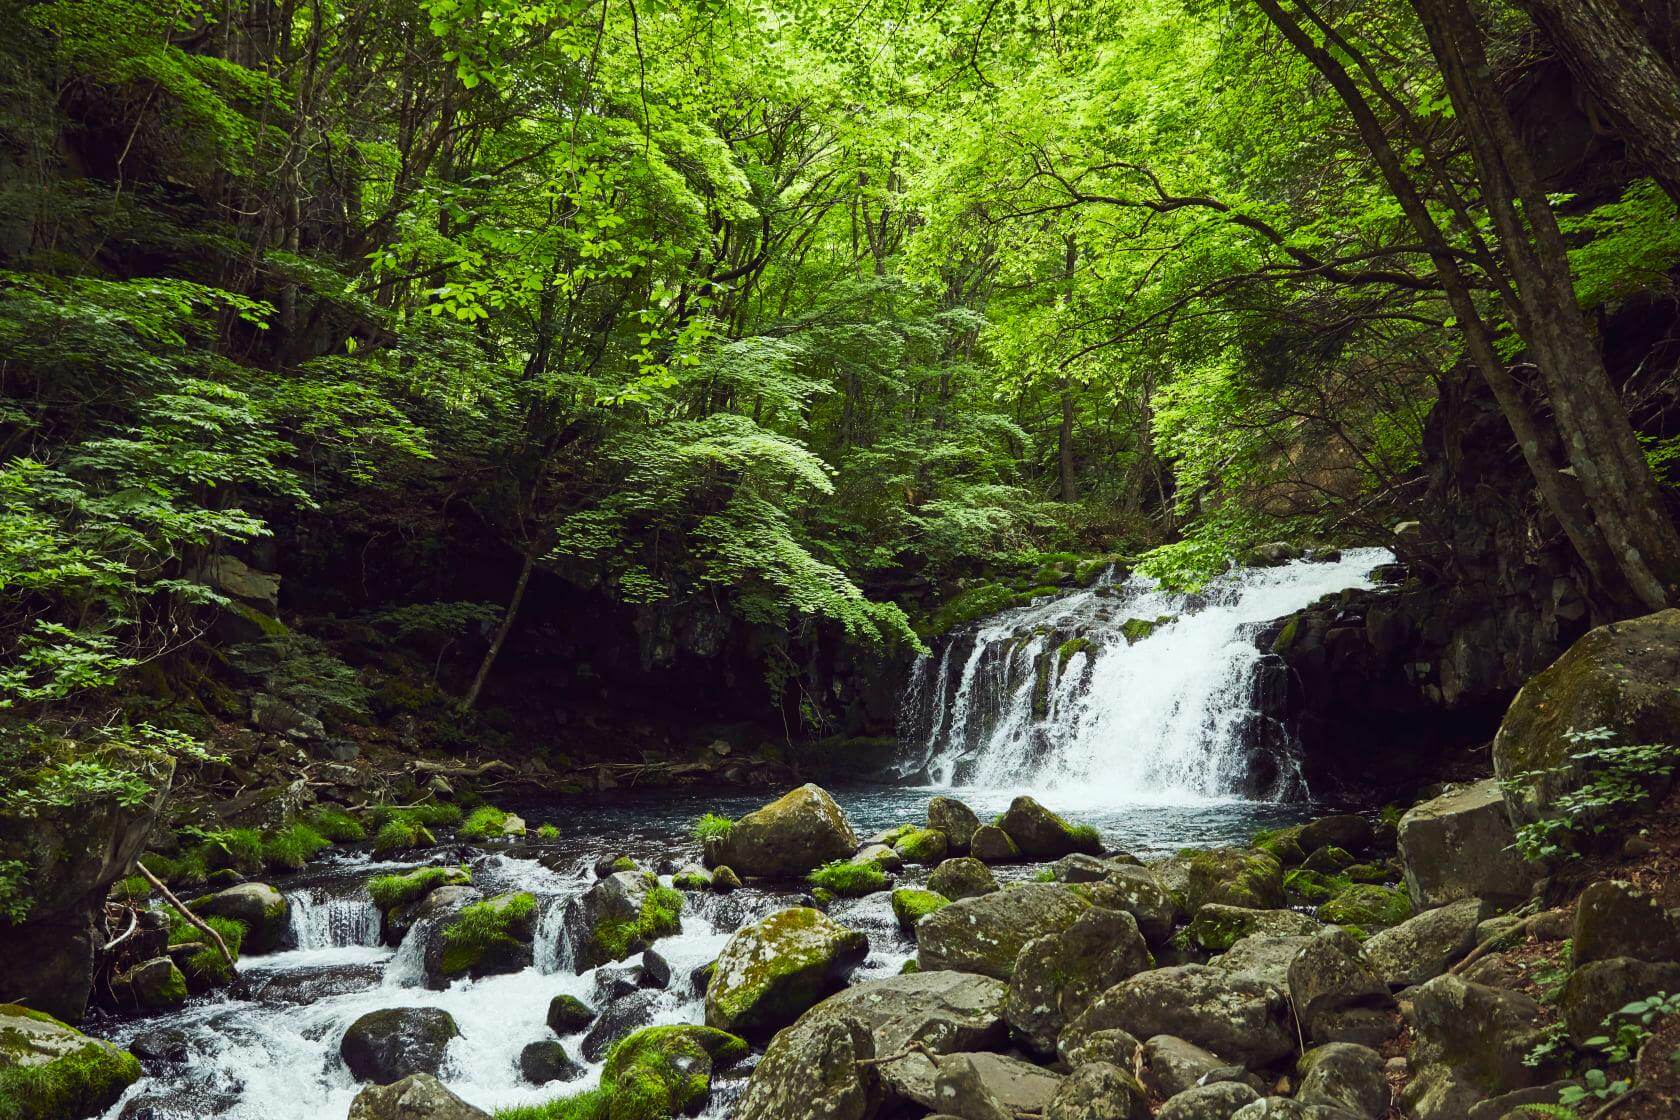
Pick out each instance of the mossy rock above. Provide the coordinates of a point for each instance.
(260, 908)
(910, 905)
(965, 607)
(154, 985)
(845, 879)
(922, 845)
(1329, 859)
(623, 913)
(963, 877)
(1372, 873)
(660, 1073)
(991, 844)
(1282, 844)
(1040, 833)
(568, 1014)
(404, 887)
(486, 938)
(1229, 876)
(1313, 888)
(786, 839)
(1135, 630)
(1217, 927)
(773, 970)
(1069, 649)
(51, 1071)
(1367, 906)
(692, 879)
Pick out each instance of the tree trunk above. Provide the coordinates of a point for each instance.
(483, 673)
(1064, 435)
(1631, 79)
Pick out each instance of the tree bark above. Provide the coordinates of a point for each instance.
(1064, 434)
(1631, 78)
(483, 673)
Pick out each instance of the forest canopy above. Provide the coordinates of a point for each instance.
(810, 309)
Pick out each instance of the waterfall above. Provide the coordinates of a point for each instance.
(320, 920)
(1120, 693)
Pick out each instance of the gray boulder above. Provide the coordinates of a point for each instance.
(1617, 919)
(1099, 1091)
(983, 1086)
(792, 835)
(1216, 926)
(1262, 957)
(1139, 892)
(1338, 997)
(991, 844)
(963, 877)
(417, 1097)
(956, 820)
(1347, 831)
(986, 934)
(1423, 947)
(1111, 1045)
(1058, 975)
(1219, 1101)
(1172, 1065)
(620, 915)
(1238, 1018)
(619, 1020)
(389, 1045)
(1479, 1035)
(1346, 1076)
(1597, 989)
(1459, 846)
(770, 972)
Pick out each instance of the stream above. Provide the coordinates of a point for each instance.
(1144, 739)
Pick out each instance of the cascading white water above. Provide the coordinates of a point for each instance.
(321, 920)
(1121, 693)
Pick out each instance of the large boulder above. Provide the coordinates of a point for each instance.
(1099, 1091)
(1600, 988)
(619, 915)
(1346, 1076)
(1338, 996)
(70, 856)
(1459, 846)
(258, 906)
(389, 1045)
(662, 1072)
(51, 1071)
(792, 835)
(1238, 1018)
(1219, 1101)
(1139, 892)
(1347, 831)
(1422, 948)
(1263, 957)
(963, 877)
(1172, 1065)
(152, 985)
(417, 1097)
(1230, 876)
(1217, 927)
(991, 844)
(771, 971)
(492, 937)
(1042, 834)
(985, 934)
(1620, 677)
(810, 1071)
(1058, 975)
(984, 1086)
(956, 820)
(1480, 1035)
(1617, 919)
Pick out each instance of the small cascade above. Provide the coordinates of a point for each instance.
(407, 969)
(320, 920)
(552, 946)
(1120, 693)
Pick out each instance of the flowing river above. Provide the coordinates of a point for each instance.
(1147, 738)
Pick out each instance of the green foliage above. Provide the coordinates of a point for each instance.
(847, 879)
(711, 826)
(410, 886)
(400, 834)
(207, 963)
(1629, 1028)
(660, 915)
(292, 847)
(484, 823)
(336, 825)
(481, 927)
(548, 832)
(1618, 782)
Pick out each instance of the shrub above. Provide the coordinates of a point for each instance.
(238, 848)
(711, 826)
(849, 880)
(547, 832)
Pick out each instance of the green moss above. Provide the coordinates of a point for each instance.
(909, 967)
(1313, 888)
(1044, 875)
(691, 881)
(849, 880)
(1286, 637)
(1087, 837)
(965, 607)
(83, 1082)
(1282, 844)
(240, 849)
(660, 916)
(400, 834)
(910, 905)
(410, 886)
(1368, 906)
(132, 888)
(207, 964)
(292, 847)
(486, 823)
(1371, 873)
(337, 825)
(922, 845)
(892, 836)
(624, 863)
(547, 833)
(658, 1073)
(481, 927)
(711, 826)
(1066, 651)
(429, 814)
(1135, 630)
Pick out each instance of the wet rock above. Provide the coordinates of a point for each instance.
(1219, 1101)
(1286, 1108)
(1172, 1065)
(956, 820)
(568, 1015)
(1620, 677)
(1098, 1091)
(692, 877)
(1058, 975)
(887, 859)
(420, 1097)
(991, 1087)
(1367, 907)
(1508, 1106)
(488, 938)
(945, 1011)
(1479, 1034)
(1459, 846)
(259, 906)
(1039, 833)
(51, 1071)
(1346, 1076)
(1338, 996)
(619, 1019)
(910, 906)
(154, 985)
(1262, 957)
(621, 914)
(1597, 989)
(1112, 1045)
(1217, 927)
(656, 971)
(389, 1045)
(1328, 860)
(1343, 830)
(1238, 1018)
(546, 1060)
(433, 907)
(773, 970)
(612, 983)
(922, 845)
(1424, 947)
(1140, 893)
(163, 1044)
(1231, 876)
(725, 880)
(990, 844)
(1616, 919)
(985, 934)
(963, 877)
(795, 834)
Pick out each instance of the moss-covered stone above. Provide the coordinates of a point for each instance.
(660, 1073)
(1230, 876)
(845, 879)
(991, 844)
(922, 845)
(404, 887)
(1368, 906)
(1282, 844)
(964, 877)
(774, 969)
(910, 905)
(51, 1071)
(1135, 630)
(692, 879)
(786, 839)
(489, 936)
(624, 913)
(1313, 888)
(1329, 859)
(1217, 927)
(1039, 832)
(1068, 649)
(154, 985)
(568, 1014)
